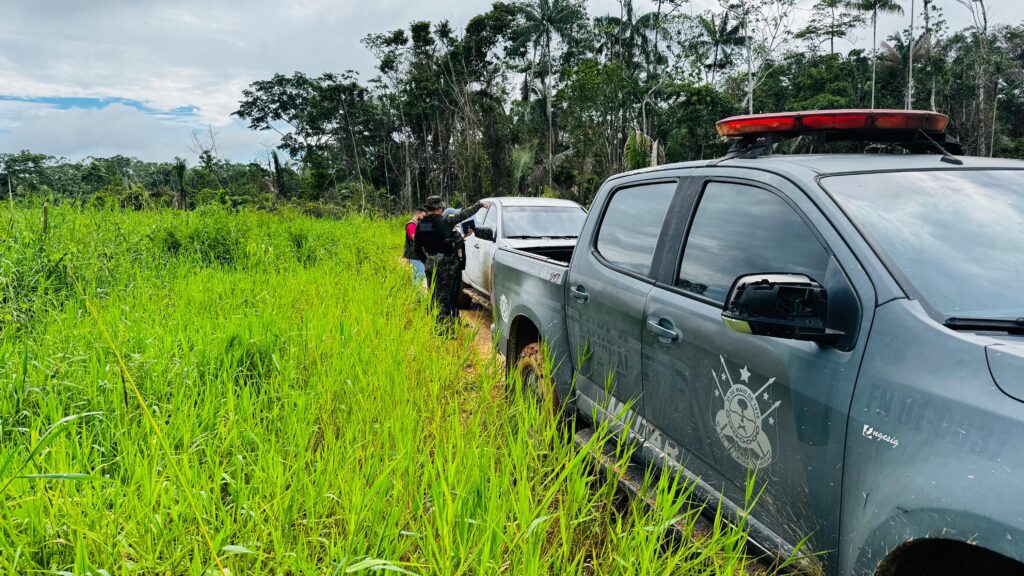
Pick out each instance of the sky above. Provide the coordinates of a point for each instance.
(109, 77)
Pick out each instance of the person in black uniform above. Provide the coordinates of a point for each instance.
(460, 250)
(437, 243)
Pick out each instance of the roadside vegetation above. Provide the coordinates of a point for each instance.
(208, 392)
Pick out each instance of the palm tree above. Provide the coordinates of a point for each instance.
(543, 22)
(874, 7)
(631, 40)
(896, 55)
(628, 37)
(721, 37)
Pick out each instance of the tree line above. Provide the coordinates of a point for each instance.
(541, 97)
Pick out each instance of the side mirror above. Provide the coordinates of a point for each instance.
(484, 233)
(792, 306)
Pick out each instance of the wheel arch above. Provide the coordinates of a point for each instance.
(912, 536)
(945, 556)
(522, 332)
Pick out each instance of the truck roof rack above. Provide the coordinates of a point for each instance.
(916, 131)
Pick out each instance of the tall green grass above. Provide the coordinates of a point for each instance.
(186, 393)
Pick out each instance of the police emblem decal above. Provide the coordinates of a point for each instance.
(741, 421)
(503, 308)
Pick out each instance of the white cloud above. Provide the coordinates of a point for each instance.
(203, 53)
(191, 52)
(177, 53)
(13, 113)
(117, 129)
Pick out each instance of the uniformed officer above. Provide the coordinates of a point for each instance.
(437, 243)
(460, 251)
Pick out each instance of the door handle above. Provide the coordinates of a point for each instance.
(579, 293)
(664, 329)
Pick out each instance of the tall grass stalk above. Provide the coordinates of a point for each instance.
(266, 395)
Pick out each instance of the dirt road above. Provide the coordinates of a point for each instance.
(479, 318)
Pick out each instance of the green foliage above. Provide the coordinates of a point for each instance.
(831, 19)
(805, 81)
(522, 161)
(118, 194)
(34, 276)
(691, 137)
(719, 40)
(638, 151)
(206, 389)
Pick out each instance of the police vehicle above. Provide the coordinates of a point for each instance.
(848, 321)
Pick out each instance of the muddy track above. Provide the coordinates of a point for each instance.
(478, 317)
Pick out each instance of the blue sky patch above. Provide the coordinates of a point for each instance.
(65, 103)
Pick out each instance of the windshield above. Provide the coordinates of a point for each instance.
(542, 221)
(956, 236)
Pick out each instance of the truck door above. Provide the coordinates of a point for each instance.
(471, 274)
(607, 287)
(486, 248)
(721, 403)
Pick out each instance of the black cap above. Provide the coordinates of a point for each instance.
(420, 209)
(434, 202)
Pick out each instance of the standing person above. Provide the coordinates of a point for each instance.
(460, 250)
(437, 243)
(410, 245)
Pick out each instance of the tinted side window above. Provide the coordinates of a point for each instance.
(745, 230)
(631, 225)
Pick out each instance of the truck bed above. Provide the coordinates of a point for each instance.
(530, 287)
(560, 254)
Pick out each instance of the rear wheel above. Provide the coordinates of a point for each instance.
(534, 378)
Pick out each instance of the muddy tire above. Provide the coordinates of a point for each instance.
(534, 380)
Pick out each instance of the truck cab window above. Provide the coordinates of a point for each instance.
(491, 219)
(478, 218)
(745, 230)
(631, 225)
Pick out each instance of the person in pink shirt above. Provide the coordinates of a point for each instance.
(418, 270)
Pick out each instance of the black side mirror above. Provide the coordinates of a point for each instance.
(484, 233)
(792, 306)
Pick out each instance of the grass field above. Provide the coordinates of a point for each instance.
(192, 393)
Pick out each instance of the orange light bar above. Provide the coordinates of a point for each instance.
(874, 120)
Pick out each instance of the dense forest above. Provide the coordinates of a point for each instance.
(541, 97)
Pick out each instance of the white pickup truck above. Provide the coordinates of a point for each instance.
(544, 226)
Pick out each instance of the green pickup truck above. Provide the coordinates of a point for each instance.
(850, 325)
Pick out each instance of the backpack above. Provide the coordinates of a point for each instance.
(434, 237)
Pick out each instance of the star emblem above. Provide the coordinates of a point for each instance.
(744, 375)
(747, 411)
